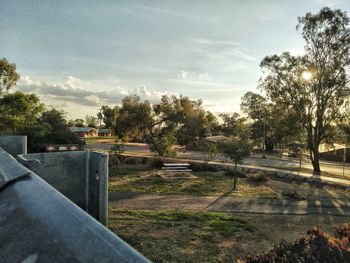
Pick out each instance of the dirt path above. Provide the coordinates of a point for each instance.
(131, 200)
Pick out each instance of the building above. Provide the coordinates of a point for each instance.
(104, 133)
(84, 131)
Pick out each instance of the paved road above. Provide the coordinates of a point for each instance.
(227, 204)
(335, 168)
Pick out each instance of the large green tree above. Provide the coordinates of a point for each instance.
(91, 121)
(273, 124)
(185, 118)
(8, 75)
(236, 149)
(50, 128)
(233, 125)
(134, 120)
(108, 115)
(316, 85)
(19, 110)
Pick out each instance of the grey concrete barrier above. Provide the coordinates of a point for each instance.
(81, 176)
(39, 224)
(14, 144)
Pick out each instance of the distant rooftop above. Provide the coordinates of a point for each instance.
(81, 129)
(104, 131)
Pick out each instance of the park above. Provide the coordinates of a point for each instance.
(165, 173)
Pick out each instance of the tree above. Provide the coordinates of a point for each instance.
(316, 85)
(255, 105)
(134, 120)
(117, 150)
(273, 124)
(185, 118)
(257, 108)
(162, 143)
(109, 116)
(8, 75)
(236, 149)
(51, 128)
(19, 110)
(233, 125)
(91, 121)
(209, 150)
(59, 132)
(79, 123)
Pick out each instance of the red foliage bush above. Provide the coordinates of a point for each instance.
(317, 247)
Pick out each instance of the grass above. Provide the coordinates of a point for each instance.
(178, 236)
(140, 178)
(168, 236)
(207, 183)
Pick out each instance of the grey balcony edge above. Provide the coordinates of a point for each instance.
(38, 223)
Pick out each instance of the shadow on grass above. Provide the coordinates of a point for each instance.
(217, 200)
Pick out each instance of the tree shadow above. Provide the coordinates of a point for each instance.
(217, 200)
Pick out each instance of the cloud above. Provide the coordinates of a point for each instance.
(192, 75)
(220, 49)
(212, 42)
(330, 3)
(160, 10)
(223, 105)
(71, 91)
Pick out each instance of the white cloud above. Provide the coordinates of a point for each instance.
(212, 42)
(192, 75)
(71, 96)
(220, 49)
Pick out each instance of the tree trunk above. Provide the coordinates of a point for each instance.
(235, 177)
(313, 145)
(315, 159)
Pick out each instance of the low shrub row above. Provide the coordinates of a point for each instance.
(317, 247)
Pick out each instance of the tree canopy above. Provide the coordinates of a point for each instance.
(134, 119)
(19, 110)
(316, 85)
(8, 75)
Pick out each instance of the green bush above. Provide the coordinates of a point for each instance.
(231, 172)
(317, 247)
(257, 177)
(198, 167)
(131, 161)
(157, 162)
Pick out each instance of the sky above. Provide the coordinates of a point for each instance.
(80, 55)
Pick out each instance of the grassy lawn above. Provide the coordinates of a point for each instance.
(207, 183)
(100, 139)
(138, 178)
(173, 236)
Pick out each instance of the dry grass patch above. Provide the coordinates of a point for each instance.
(173, 236)
(140, 178)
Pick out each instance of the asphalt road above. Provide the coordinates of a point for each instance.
(335, 168)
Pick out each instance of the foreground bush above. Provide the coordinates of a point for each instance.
(317, 247)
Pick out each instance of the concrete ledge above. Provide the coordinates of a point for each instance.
(80, 175)
(39, 224)
(10, 170)
(14, 144)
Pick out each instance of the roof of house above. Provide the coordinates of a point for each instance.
(217, 138)
(81, 129)
(104, 131)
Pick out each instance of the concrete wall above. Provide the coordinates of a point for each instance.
(39, 224)
(81, 176)
(14, 144)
